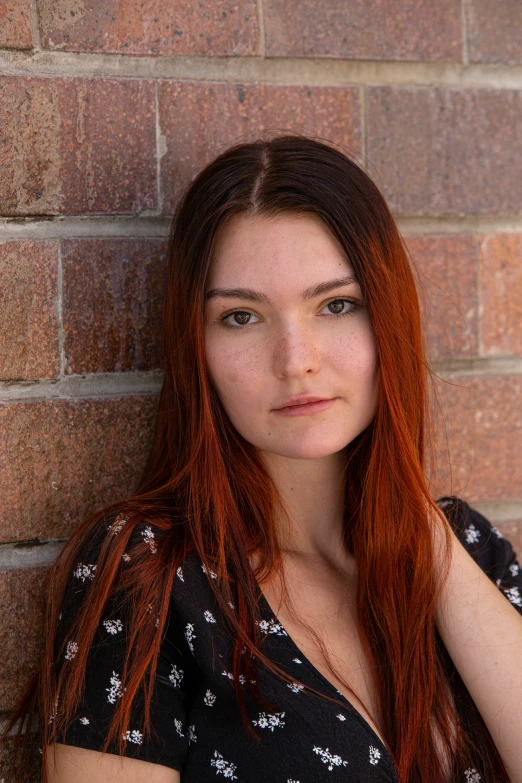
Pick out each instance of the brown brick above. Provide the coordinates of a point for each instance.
(201, 120)
(112, 297)
(21, 624)
(446, 277)
(396, 30)
(501, 293)
(494, 32)
(28, 320)
(512, 530)
(482, 420)
(437, 150)
(15, 24)
(208, 27)
(61, 460)
(76, 146)
(34, 764)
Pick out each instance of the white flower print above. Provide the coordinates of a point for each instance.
(209, 617)
(290, 780)
(498, 582)
(375, 755)
(176, 675)
(472, 776)
(85, 721)
(496, 531)
(295, 687)
(54, 710)
(271, 626)
(296, 660)
(133, 736)
(513, 593)
(210, 698)
(230, 676)
(117, 524)
(332, 761)
(209, 571)
(225, 768)
(149, 609)
(72, 649)
(85, 571)
(514, 569)
(191, 731)
(341, 717)
(231, 604)
(179, 573)
(126, 557)
(113, 626)
(115, 688)
(472, 534)
(178, 724)
(270, 721)
(148, 536)
(59, 617)
(189, 635)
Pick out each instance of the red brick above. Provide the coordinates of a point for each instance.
(395, 30)
(112, 299)
(512, 530)
(21, 625)
(482, 420)
(434, 150)
(15, 24)
(201, 120)
(501, 293)
(76, 146)
(28, 320)
(62, 459)
(208, 27)
(494, 32)
(446, 278)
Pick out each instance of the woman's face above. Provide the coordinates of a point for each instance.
(278, 338)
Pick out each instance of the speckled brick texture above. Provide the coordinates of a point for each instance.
(352, 29)
(112, 304)
(479, 437)
(501, 277)
(445, 272)
(200, 120)
(434, 150)
(77, 146)
(207, 27)
(21, 625)
(60, 460)
(34, 765)
(494, 31)
(28, 315)
(15, 24)
(512, 530)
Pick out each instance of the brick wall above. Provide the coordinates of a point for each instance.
(108, 107)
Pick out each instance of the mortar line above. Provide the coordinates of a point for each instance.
(261, 23)
(35, 26)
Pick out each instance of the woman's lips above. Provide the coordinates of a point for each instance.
(307, 409)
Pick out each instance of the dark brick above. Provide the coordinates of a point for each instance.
(112, 299)
(28, 320)
(394, 30)
(446, 277)
(438, 150)
(34, 762)
(15, 24)
(21, 625)
(61, 460)
(501, 293)
(494, 32)
(208, 27)
(76, 146)
(200, 120)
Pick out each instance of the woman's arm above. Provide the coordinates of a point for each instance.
(70, 764)
(482, 632)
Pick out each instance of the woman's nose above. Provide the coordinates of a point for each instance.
(295, 353)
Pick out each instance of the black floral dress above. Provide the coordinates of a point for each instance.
(197, 727)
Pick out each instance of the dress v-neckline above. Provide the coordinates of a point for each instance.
(326, 682)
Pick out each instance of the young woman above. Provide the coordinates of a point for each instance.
(281, 600)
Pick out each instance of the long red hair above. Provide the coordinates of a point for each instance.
(204, 486)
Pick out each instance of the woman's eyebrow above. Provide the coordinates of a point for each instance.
(256, 296)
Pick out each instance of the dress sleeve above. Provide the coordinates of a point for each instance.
(487, 546)
(167, 742)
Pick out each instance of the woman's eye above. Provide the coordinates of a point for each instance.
(242, 317)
